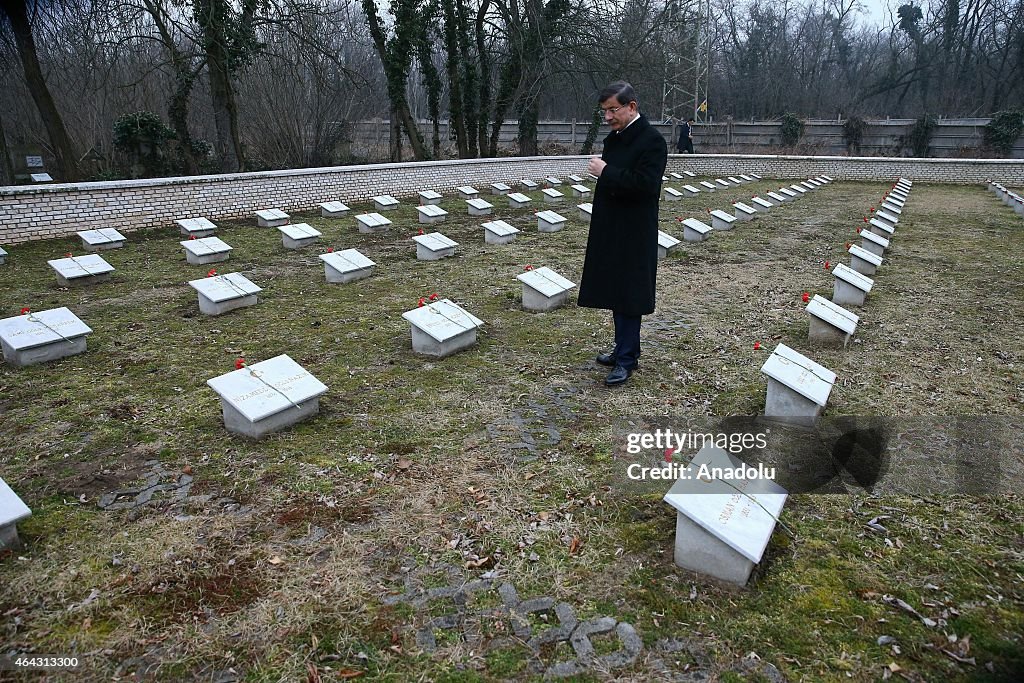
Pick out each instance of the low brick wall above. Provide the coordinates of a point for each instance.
(44, 211)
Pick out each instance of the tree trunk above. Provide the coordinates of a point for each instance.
(17, 13)
(212, 15)
(6, 166)
(452, 66)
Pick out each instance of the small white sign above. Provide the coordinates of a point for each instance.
(41, 177)
(34, 161)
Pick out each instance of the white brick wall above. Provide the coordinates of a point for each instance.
(44, 211)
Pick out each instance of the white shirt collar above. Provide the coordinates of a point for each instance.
(630, 122)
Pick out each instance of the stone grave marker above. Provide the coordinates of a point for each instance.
(3, 256)
(815, 182)
(271, 218)
(434, 246)
(441, 328)
(695, 230)
(12, 511)
(827, 178)
(385, 202)
(880, 228)
(552, 180)
(708, 187)
(863, 261)
(549, 221)
(798, 189)
(891, 208)
(775, 198)
(806, 184)
(333, 210)
(528, 184)
(876, 244)
(552, 196)
(677, 176)
(219, 294)
(429, 197)
(467, 192)
(734, 180)
(206, 250)
(746, 178)
(372, 222)
(672, 194)
(102, 239)
(787, 194)
(724, 522)
(586, 210)
(544, 289)
(744, 212)
(850, 287)
(479, 207)
(41, 177)
(81, 270)
(761, 204)
(720, 220)
(887, 218)
(575, 178)
(666, 243)
(721, 183)
(500, 188)
(518, 200)
(830, 323)
(690, 191)
(499, 232)
(664, 178)
(431, 213)
(32, 338)
(298, 235)
(267, 397)
(896, 198)
(580, 191)
(689, 174)
(798, 388)
(197, 227)
(346, 265)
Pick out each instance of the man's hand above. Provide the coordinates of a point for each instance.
(595, 166)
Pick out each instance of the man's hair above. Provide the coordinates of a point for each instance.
(620, 90)
(690, 120)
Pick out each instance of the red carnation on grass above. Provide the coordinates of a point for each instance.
(858, 231)
(330, 250)
(827, 264)
(433, 297)
(191, 237)
(68, 255)
(211, 272)
(757, 346)
(26, 310)
(806, 297)
(421, 301)
(528, 267)
(239, 363)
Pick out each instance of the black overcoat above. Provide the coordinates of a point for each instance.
(621, 263)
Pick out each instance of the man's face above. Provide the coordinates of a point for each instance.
(617, 115)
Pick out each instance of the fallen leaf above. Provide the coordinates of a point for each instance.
(350, 673)
(404, 463)
(275, 560)
(574, 546)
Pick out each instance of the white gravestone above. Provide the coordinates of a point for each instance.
(828, 178)
(467, 192)
(552, 180)
(500, 188)
(887, 218)
(81, 270)
(429, 197)
(372, 222)
(892, 209)
(905, 181)
(695, 230)
(672, 194)
(761, 204)
(347, 265)
(549, 221)
(863, 261)
(896, 200)
(815, 182)
(808, 185)
(479, 207)
(580, 191)
(798, 388)
(206, 250)
(689, 174)
(298, 235)
(12, 511)
(720, 220)
(690, 191)
(724, 519)
(198, 227)
(219, 294)
(798, 189)
(3, 256)
(41, 177)
(734, 180)
(518, 200)
(552, 196)
(876, 244)
(544, 289)
(664, 178)
(880, 228)
(333, 210)
(850, 287)
(266, 397)
(431, 213)
(440, 328)
(528, 184)
(41, 337)
(102, 239)
(677, 176)
(823, 180)
(830, 323)
(755, 176)
(787, 194)
(575, 179)
(721, 183)
(744, 212)
(586, 210)
(385, 202)
(775, 198)
(746, 178)
(708, 187)
(666, 243)
(499, 232)
(271, 218)
(434, 246)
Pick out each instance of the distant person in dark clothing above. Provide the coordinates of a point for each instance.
(686, 137)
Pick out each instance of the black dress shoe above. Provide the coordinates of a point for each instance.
(606, 359)
(617, 376)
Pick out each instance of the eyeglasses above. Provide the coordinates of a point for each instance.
(612, 110)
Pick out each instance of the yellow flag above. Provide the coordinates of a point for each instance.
(703, 106)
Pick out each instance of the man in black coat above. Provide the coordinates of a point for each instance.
(621, 263)
(686, 137)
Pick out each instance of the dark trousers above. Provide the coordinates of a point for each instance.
(686, 146)
(627, 339)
